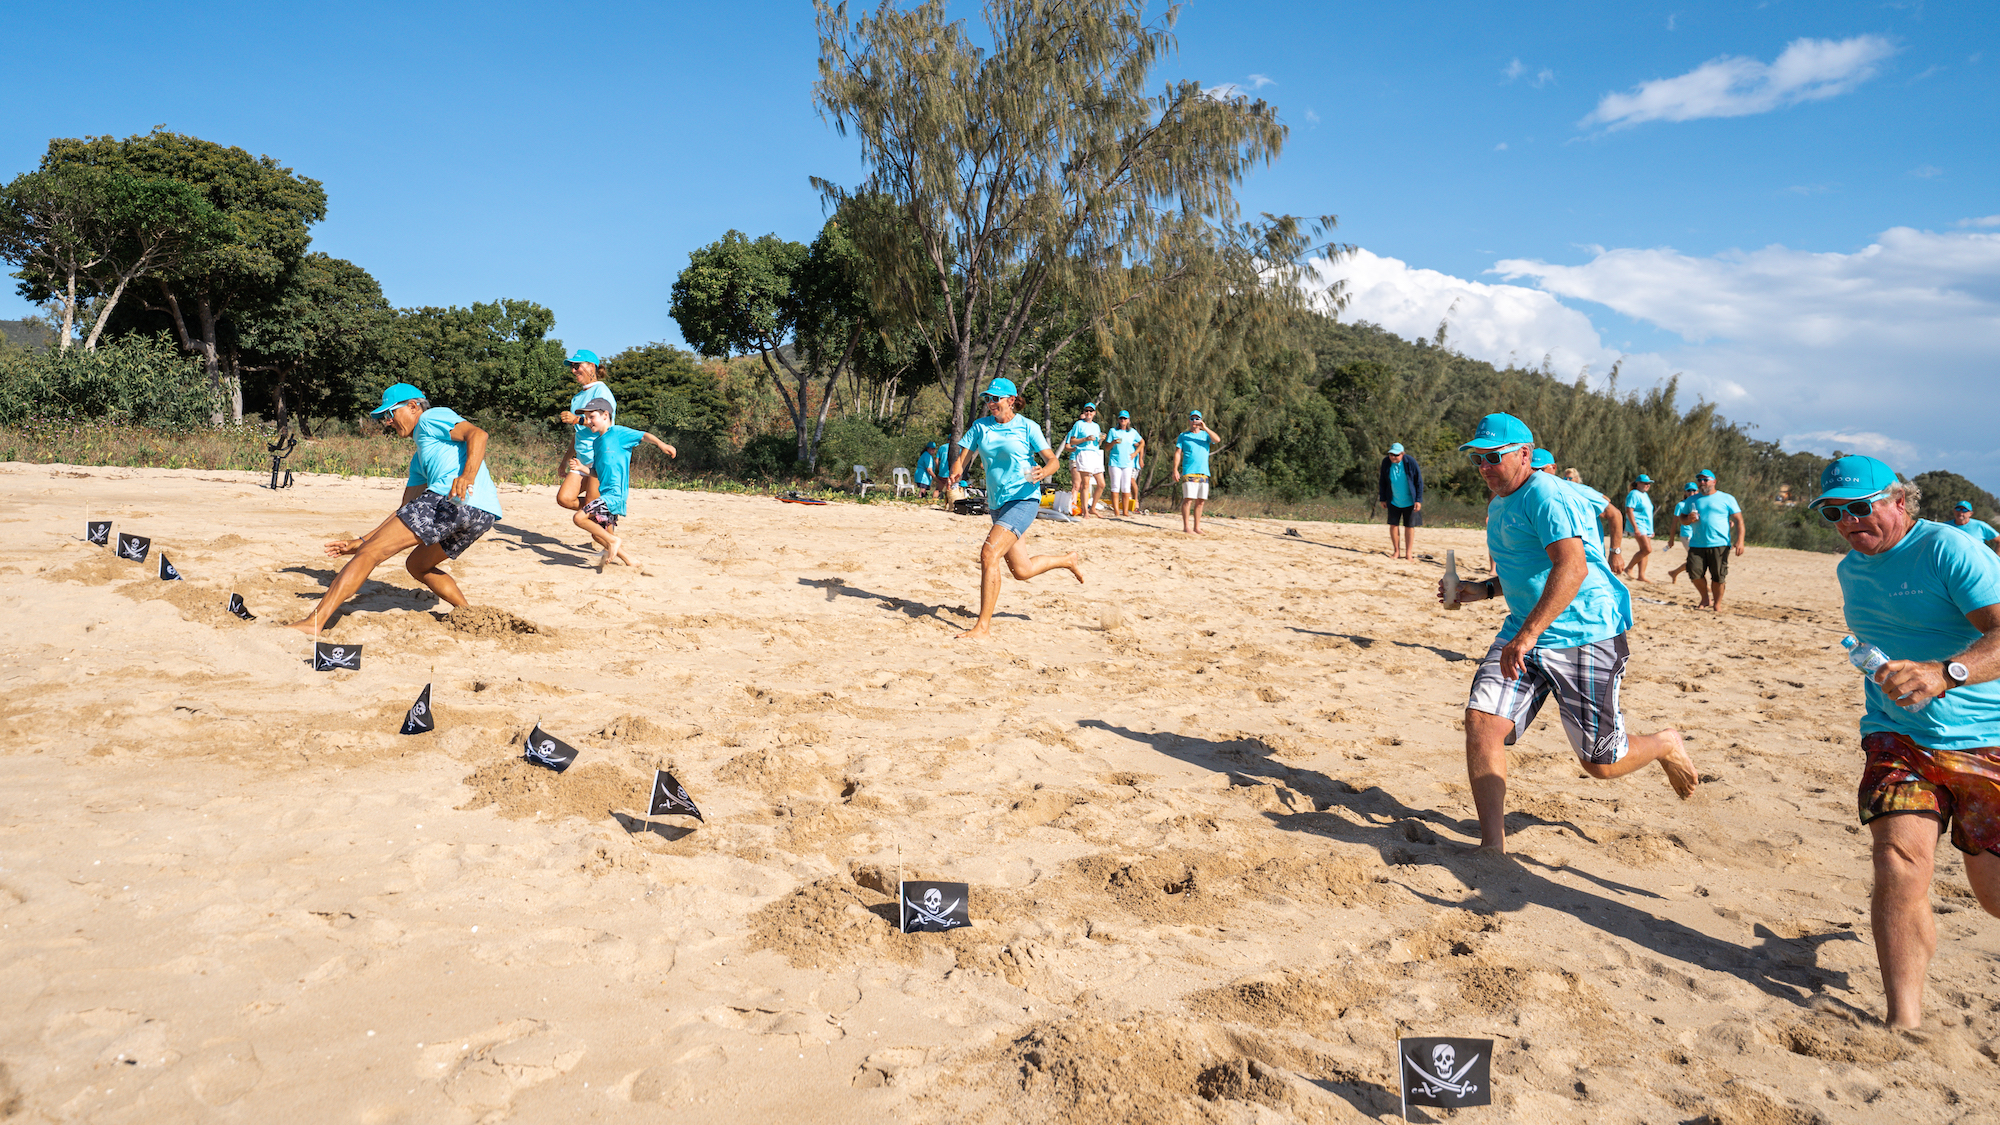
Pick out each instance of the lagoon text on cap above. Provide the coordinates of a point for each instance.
(1852, 477)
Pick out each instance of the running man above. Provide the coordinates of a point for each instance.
(1961, 518)
(1191, 450)
(929, 465)
(1010, 443)
(1126, 451)
(1086, 468)
(1399, 488)
(448, 502)
(579, 489)
(1564, 634)
(1929, 598)
(1717, 522)
(1639, 524)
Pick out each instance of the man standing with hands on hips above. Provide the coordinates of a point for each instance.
(1564, 634)
(1399, 486)
(1928, 596)
(1717, 520)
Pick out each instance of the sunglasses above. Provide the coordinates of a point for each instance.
(1493, 457)
(1860, 509)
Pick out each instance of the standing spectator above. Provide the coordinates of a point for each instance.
(1191, 450)
(1127, 456)
(1961, 518)
(1717, 520)
(1399, 486)
(1930, 599)
(1639, 524)
(1086, 469)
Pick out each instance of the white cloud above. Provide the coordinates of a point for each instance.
(1825, 442)
(1514, 70)
(1927, 171)
(1258, 82)
(1312, 118)
(1543, 77)
(1730, 86)
(1982, 221)
(1501, 147)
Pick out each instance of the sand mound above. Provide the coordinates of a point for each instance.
(521, 790)
(488, 621)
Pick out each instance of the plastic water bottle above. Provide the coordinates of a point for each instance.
(1870, 660)
(1451, 580)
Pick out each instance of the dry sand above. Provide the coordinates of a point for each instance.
(1213, 847)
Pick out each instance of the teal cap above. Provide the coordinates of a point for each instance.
(396, 395)
(1496, 430)
(584, 355)
(1962, 506)
(1642, 479)
(1690, 487)
(1001, 388)
(1124, 413)
(1090, 406)
(1704, 474)
(1852, 477)
(1542, 459)
(1194, 413)
(1396, 447)
(930, 445)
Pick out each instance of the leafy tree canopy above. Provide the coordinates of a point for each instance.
(666, 389)
(492, 356)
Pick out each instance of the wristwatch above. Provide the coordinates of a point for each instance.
(1956, 674)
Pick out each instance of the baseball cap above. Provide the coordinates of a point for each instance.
(1124, 413)
(1194, 413)
(396, 395)
(1542, 459)
(597, 404)
(1642, 479)
(1704, 473)
(1851, 477)
(584, 355)
(1396, 447)
(1962, 506)
(930, 445)
(1496, 430)
(1090, 406)
(1690, 487)
(1001, 388)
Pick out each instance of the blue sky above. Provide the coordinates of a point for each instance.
(1796, 205)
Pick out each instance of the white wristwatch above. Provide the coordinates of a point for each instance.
(1956, 674)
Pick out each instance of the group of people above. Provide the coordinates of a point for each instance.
(1926, 593)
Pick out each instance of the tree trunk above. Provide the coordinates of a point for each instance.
(278, 410)
(69, 313)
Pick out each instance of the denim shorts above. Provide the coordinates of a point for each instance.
(1017, 515)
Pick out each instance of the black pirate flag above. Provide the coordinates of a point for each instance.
(167, 571)
(544, 749)
(329, 657)
(931, 908)
(418, 720)
(1446, 1073)
(237, 607)
(97, 532)
(670, 798)
(133, 547)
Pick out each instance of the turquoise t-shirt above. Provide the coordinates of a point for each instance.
(1639, 513)
(1194, 451)
(614, 465)
(439, 460)
(1978, 529)
(1009, 450)
(1714, 510)
(927, 465)
(1124, 448)
(1519, 529)
(1399, 486)
(586, 441)
(1910, 601)
(1084, 435)
(1681, 509)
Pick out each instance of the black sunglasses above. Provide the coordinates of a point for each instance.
(1860, 509)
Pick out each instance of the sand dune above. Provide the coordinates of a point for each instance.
(1209, 804)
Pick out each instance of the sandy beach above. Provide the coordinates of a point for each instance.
(1211, 806)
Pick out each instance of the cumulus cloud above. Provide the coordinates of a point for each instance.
(1826, 442)
(1513, 70)
(1731, 86)
(1982, 221)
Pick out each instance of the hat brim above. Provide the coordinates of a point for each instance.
(1855, 492)
(1490, 443)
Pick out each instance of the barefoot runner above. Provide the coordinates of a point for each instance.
(613, 470)
(448, 502)
(1010, 444)
(1564, 634)
(579, 487)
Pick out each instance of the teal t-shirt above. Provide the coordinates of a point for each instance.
(1714, 510)
(439, 460)
(1009, 450)
(614, 465)
(1910, 601)
(1519, 529)
(1978, 529)
(586, 441)
(1124, 448)
(1639, 513)
(1194, 451)
(1680, 510)
(1399, 486)
(1084, 435)
(927, 465)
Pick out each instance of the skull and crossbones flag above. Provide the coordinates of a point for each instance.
(97, 532)
(418, 719)
(1445, 1073)
(167, 571)
(133, 547)
(670, 798)
(237, 607)
(931, 908)
(544, 749)
(330, 657)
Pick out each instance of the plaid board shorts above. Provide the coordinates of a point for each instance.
(1585, 682)
(1961, 786)
(437, 521)
(600, 514)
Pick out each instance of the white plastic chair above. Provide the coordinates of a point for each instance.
(861, 482)
(904, 482)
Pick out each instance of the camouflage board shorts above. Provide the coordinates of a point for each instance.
(1961, 786)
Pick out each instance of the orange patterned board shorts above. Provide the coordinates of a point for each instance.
(1961, 786)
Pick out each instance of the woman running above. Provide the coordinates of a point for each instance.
(1010, 444)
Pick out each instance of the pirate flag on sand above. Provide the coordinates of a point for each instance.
(544, 749)
(418, 720)
(97, 532)
(133, 547)
(931, 908)
(670, 798)
(167, 571)
(1446, 1073)
(329, 657)
(237, 607)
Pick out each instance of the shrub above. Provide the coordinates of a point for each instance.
(131, 380)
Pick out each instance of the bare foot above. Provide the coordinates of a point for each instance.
(306, 626)
(1679, 767)
(976, 633)
(1073, 562)
(1485, 849)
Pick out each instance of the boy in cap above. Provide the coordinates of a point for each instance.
(577, 487)
(1961, 518)
(448, 502)
(613, 474)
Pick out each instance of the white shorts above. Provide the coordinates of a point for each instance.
(1194, 489)
(1088, 461)
(1119, 479)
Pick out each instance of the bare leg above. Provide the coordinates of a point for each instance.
(1394, 548)
(1023, 566)
(1090, 485)
(999, 541)
(1643, 750)
(1186, 505)
(1700, 587)
(1718, 597)
(1486, 768)
(1638, 563)
(1410, 541)
(387, 541)
(1196, 508)
(575, 477)
(1899, 910)
(423, 565)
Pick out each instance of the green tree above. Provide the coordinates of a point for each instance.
(1942, 492)
(328, 333)
(493, 356)
(666, 389)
